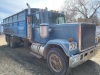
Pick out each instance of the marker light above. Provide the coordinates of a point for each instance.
(70, 39)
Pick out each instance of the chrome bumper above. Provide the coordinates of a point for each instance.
(78, 59)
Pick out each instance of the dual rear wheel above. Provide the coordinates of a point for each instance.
(10, 42)
(15, 42)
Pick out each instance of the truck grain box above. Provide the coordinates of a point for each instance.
(63, 45)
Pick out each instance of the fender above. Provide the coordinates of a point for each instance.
(64, 44)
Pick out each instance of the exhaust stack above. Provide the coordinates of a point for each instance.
(29, 10)
(29, 23)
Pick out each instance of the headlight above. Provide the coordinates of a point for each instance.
(72, 46)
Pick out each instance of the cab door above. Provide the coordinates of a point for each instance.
(36, 27)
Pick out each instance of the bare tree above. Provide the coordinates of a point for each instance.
(83, 8)
(70, 16)
(94, 19)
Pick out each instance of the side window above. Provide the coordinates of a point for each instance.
(37, 16)
(36, 19)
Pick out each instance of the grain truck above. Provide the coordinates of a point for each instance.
(63, 45)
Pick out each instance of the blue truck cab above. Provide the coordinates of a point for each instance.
(63, 45)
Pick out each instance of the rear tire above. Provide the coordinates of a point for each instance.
(57, 62)
(7, 38)
(12, 43)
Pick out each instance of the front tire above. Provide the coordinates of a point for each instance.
(57, 61)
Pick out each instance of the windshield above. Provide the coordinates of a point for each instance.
(56, 18)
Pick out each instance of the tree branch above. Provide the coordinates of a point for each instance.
(85, 9)
(94, 11)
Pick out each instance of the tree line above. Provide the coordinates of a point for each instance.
(82, 11)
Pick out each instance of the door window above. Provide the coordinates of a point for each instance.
(36, 20)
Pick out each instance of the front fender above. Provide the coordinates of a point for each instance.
(64, 44)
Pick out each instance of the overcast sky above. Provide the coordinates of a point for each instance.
(10, 7)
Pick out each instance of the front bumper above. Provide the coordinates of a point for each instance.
(78, 59)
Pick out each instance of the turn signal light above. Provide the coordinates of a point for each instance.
(70, 39)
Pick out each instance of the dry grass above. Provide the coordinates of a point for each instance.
(2, 40)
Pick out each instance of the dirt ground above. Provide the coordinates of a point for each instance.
(19, 61)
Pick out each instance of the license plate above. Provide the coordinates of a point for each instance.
(75, 59)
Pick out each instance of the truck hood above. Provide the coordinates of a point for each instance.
(64, 31)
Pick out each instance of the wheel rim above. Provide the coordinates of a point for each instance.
(55, 63)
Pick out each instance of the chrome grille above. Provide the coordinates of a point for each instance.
(87, 35)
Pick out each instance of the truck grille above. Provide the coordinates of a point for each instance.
(87, 35)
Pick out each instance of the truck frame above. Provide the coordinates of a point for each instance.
(63, 45)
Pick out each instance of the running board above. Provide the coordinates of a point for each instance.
(36, 55)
